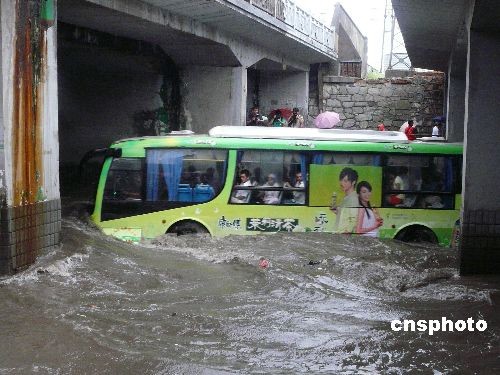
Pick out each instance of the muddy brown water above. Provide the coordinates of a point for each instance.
(201, 305)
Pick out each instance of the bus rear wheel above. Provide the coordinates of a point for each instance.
(417, 233)
(188, 227)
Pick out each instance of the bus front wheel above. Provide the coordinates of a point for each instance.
(417, 233)
(188, 227)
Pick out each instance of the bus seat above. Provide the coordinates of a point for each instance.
(203, 193)
(184, 193)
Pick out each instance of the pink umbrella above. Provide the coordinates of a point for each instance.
(327, 120)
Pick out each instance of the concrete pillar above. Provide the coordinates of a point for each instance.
(30, 208)
(280, 89)
(480, 223)
(456, 107)
(214, 96)
(239, 89)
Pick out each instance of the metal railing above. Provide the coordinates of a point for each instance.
(295, 17)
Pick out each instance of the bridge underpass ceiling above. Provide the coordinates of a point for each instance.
(486, 16)
(243, 20)
(433, 30)
(273, 66)
(187, 48)
(430, 30)
(183, 48)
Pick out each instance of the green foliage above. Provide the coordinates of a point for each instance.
(374, 75)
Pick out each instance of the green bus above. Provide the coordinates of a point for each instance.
(240, 180)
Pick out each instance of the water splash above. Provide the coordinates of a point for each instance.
(195, 304)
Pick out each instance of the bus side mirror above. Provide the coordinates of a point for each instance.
(113, 152)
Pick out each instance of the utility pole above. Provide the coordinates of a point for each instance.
(385, 31)
(396, 53)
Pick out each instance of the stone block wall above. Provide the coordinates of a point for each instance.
(363, 104)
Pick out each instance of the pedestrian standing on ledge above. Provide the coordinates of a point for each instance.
(296, 120)
(410, 131)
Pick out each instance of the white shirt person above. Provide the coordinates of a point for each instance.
(242, 196)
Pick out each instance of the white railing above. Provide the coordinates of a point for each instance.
(295, 17)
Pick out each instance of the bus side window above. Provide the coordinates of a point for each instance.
(418, 181)
(281, 189)
(181, 177)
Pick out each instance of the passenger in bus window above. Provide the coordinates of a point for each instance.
(368, 218)
(399, 181)
(271, 196)
(209, 178)
(299, 197)
(185, 177)
(242, 196)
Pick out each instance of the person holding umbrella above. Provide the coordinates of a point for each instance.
(278, 120)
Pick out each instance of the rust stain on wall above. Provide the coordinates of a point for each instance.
(29, 78)
(30, 59)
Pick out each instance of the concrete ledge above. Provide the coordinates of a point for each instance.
(339, 79)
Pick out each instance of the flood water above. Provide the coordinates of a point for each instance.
(201, 305)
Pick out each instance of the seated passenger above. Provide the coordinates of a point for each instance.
(271, 196)
(242, 196)
(299, 197)
(400, 182)
(209, 178)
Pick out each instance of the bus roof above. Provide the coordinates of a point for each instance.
(313, 134)
(242, 137)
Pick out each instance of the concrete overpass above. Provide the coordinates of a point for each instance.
(352, 44)
(78, 74)
(462, 38)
